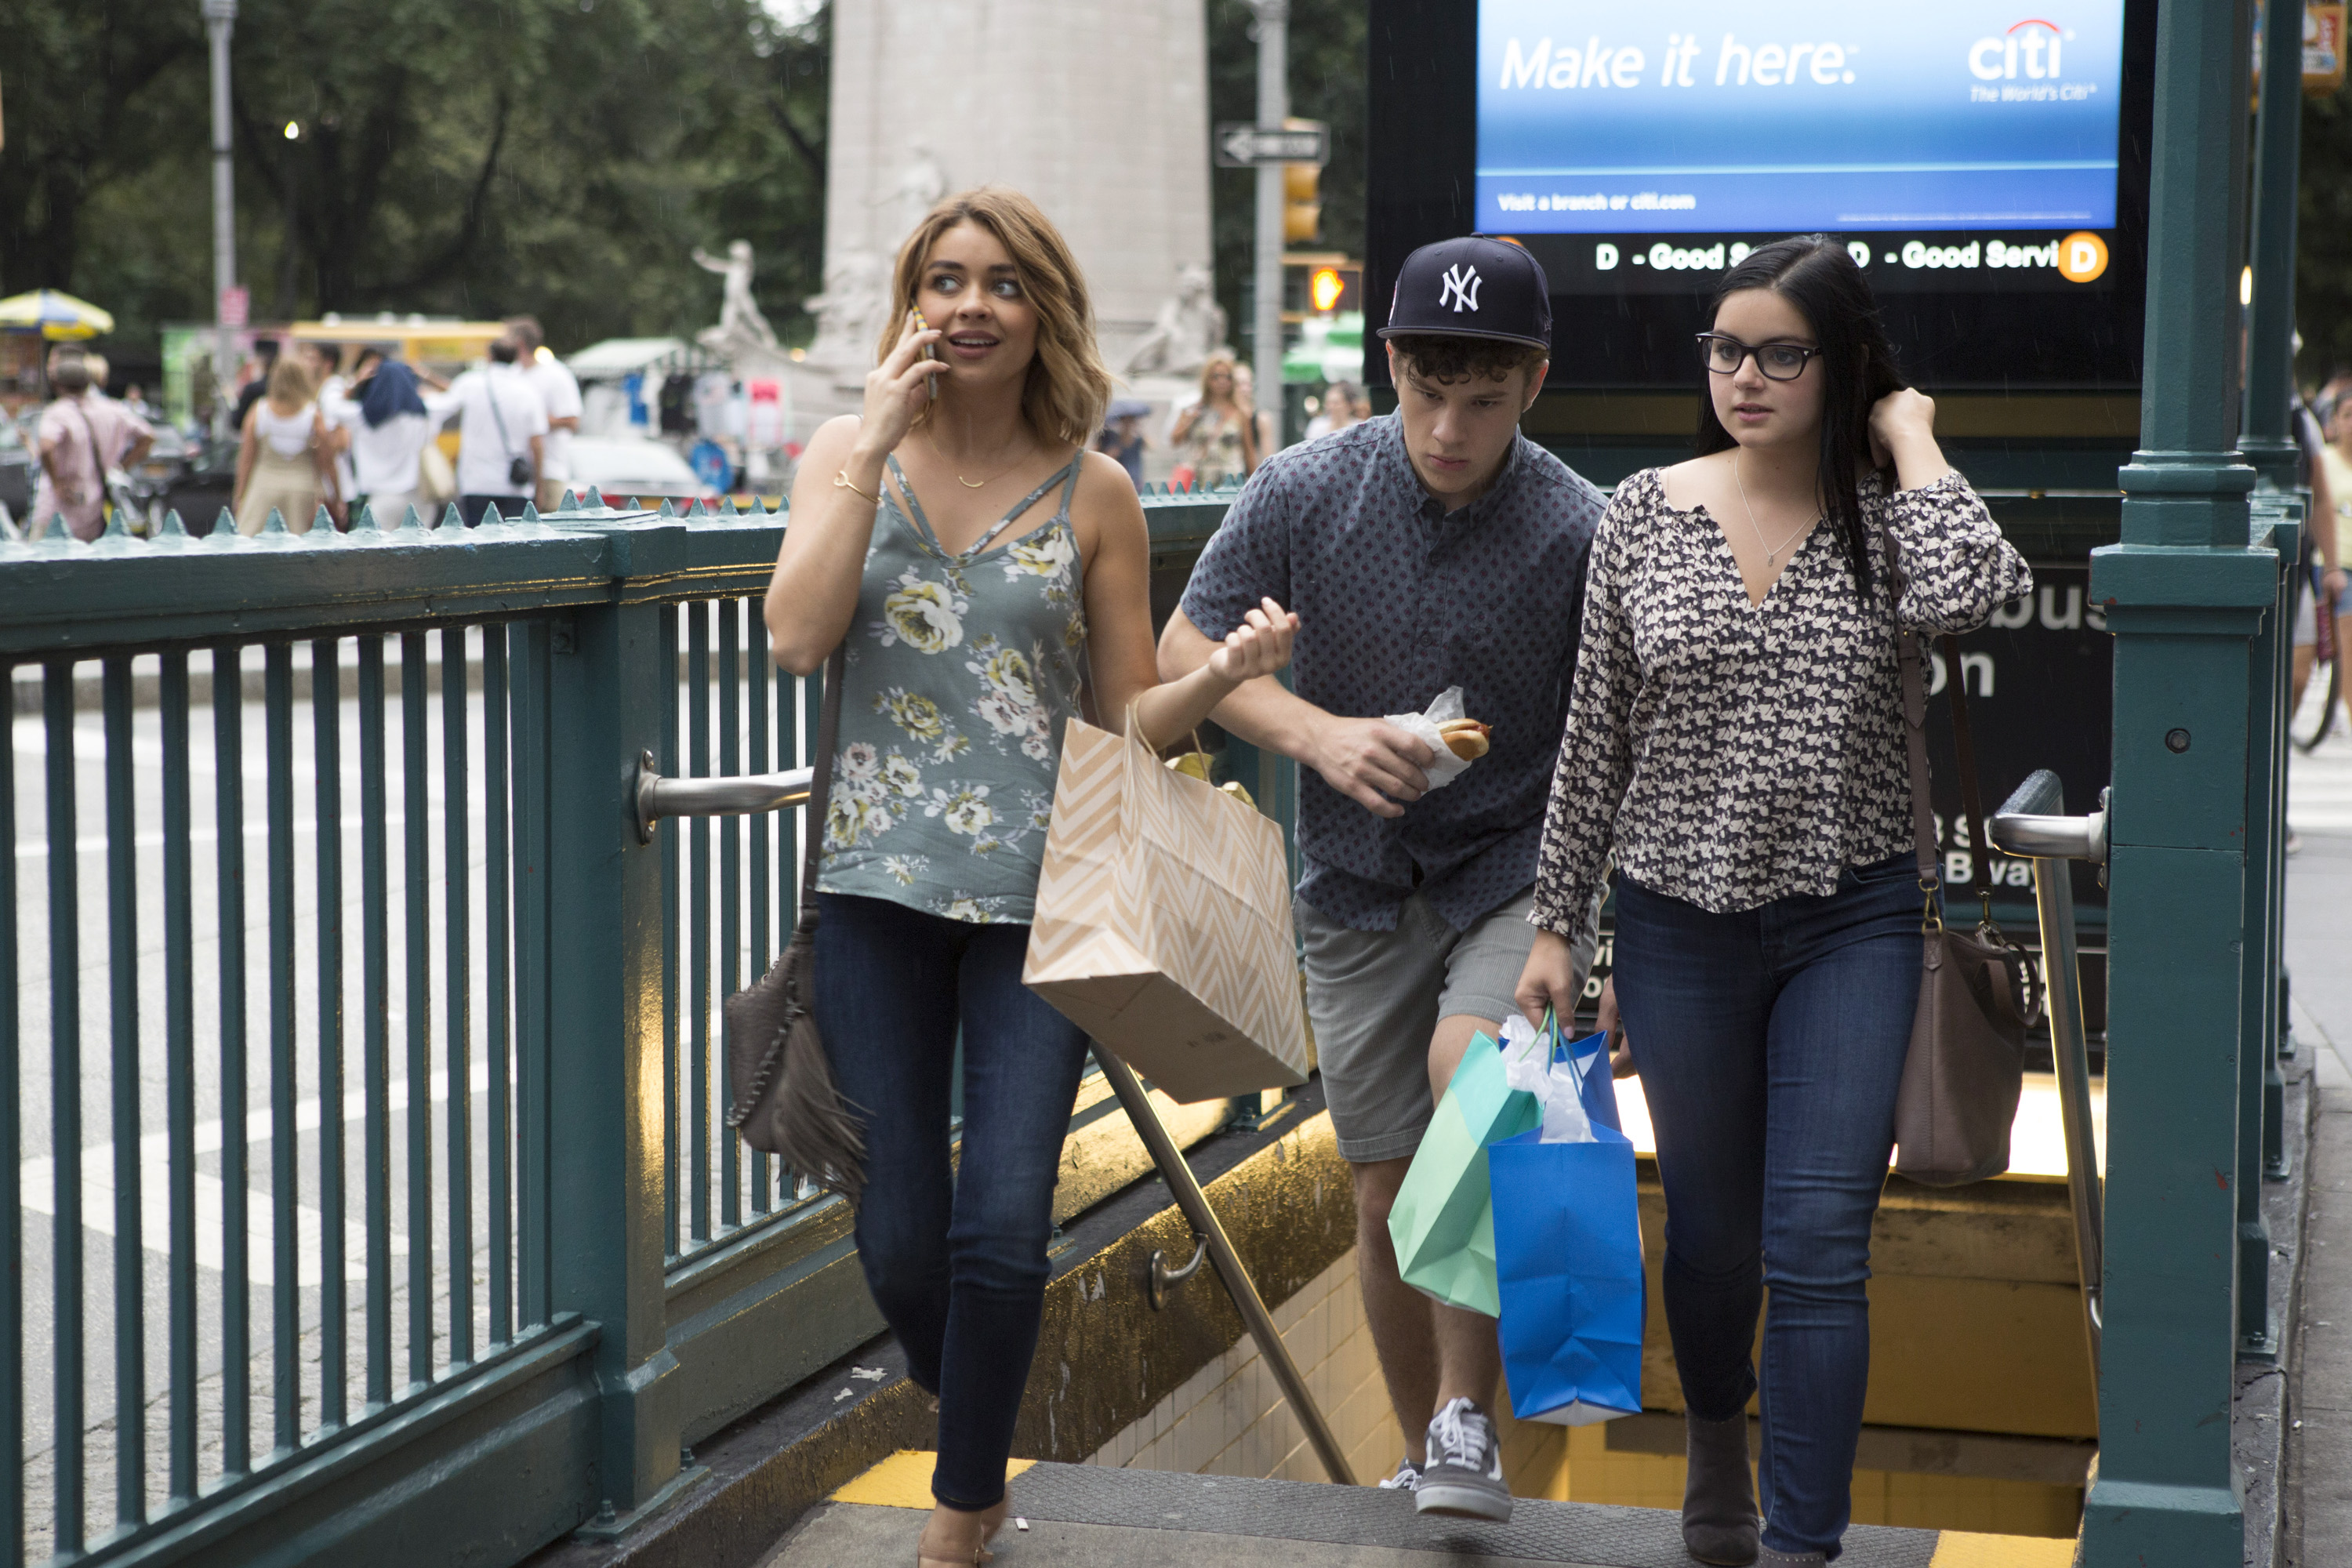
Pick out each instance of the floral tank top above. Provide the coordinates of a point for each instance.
(961, 671)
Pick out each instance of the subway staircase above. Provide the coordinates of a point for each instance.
(1088, 1516)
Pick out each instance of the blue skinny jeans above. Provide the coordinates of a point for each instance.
(1770, 1043)
(957, 1263)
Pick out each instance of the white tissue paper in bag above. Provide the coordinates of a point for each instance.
(1527, 1066)
(1423, 727)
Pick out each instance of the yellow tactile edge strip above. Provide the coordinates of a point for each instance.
(904, 1480)
(1961, 1549)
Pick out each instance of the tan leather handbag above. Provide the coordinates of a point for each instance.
(1979, 993)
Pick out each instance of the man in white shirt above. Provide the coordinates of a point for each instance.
(501, 436)
(559, 389)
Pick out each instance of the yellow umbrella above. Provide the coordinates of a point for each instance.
(54, 315)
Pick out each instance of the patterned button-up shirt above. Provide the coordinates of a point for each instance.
(1397, 600)
(1728, 753)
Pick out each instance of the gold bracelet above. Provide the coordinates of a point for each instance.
(841, 482)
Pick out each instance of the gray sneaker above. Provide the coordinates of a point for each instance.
(1407, 1477)
(1465, 1473)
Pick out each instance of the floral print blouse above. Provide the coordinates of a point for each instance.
(1728, 755)
(959, 674)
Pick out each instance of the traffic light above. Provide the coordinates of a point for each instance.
(1324, 289)
(1302, 203)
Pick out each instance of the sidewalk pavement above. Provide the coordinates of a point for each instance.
(2318, 1488)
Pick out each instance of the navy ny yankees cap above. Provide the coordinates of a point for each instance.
(1473, 287)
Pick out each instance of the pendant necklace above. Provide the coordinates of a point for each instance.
(1771, 551)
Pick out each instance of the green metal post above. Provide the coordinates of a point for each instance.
(2270, 444)
(607, 1136)
(2185, 596)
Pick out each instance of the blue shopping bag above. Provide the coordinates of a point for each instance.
(1567, 1256)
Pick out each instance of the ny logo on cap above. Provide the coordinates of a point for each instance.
(1461, 286)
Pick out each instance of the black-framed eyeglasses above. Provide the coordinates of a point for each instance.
(1779, 362)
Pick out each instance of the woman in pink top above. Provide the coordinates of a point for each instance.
(81, 436)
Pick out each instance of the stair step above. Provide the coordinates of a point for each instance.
(1143, 1519)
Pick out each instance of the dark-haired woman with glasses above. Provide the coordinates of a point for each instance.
(1735, 741)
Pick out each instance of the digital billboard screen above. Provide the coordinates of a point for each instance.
(1714, 116)
(1984, 161)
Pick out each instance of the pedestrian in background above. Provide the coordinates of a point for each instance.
(1122, 435)
(1342, 406)
(1266, 428)
(81, 433)
(388, 418)
(325, 363)
(1215, 438)
(501, 436)
(256, 384)
(558, 391)
(285, 460)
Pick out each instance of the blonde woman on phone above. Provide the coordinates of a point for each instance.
(983, 568)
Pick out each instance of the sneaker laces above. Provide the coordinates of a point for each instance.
(1407, 1477)
(1461, 1443)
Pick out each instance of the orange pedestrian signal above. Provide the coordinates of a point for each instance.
(1325, 287)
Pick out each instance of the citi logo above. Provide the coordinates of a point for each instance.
(1461, 286)
(2032, 44)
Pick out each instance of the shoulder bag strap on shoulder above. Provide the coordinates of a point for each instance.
(490, 394)
(828, 735)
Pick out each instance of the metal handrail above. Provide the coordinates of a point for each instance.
(1185, 1188)
(742, 795)
(2028, 827)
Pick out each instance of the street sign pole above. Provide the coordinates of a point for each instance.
(1273, 108)
(220, 20)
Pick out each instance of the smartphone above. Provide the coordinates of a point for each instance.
(931, 351)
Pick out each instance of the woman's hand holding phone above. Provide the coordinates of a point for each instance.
(896, 389)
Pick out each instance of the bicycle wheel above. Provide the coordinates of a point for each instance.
(2325, 724)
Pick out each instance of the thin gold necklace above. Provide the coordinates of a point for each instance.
(1771, 551)
(984, 484)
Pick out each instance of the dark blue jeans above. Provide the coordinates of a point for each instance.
(1770, 1043)
(956, 1263)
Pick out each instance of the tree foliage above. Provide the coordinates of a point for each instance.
(561, 157)
(1327, 83)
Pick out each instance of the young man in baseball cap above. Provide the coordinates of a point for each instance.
(1434, 547)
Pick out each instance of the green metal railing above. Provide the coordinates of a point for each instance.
(369, 1192)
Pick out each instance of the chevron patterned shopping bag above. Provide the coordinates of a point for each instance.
(1163, 923)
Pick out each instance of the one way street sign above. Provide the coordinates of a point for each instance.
(1240, 145)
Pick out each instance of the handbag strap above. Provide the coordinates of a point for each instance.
(1915, 736)
(828, 735)
(490, 394)
(1964, 752)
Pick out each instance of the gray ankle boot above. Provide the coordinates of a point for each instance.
(1719, 1521)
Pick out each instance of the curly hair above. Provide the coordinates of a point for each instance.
(1440, 356)
(1067, 386)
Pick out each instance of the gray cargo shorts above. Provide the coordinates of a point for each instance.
(1375, 997)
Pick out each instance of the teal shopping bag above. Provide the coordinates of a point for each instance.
(1569, 1259)
(1442, 1223)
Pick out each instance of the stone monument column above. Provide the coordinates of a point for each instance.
(1099, 112)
